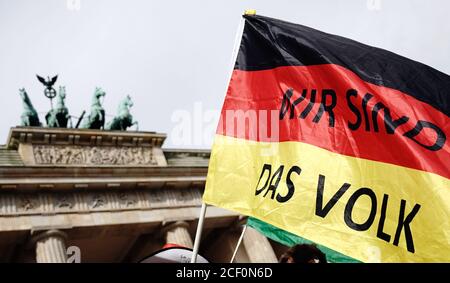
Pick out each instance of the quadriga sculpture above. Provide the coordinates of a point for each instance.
(96, 118)
(59, 116)
(123, 119)
(29, 117)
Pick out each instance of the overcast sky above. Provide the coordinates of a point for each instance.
(173, 55)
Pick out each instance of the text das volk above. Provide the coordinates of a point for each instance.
(269, 183)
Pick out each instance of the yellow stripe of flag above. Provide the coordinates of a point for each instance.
(412, 201)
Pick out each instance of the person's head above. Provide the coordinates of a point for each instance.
(303, 253)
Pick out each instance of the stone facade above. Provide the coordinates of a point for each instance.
(52, 202)
(71, 195)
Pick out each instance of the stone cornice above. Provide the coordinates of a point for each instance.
(83, 137)
(73, 172)
(67, 178)
(187, 152)
(68, 185)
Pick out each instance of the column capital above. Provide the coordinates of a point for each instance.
(175, 224)
(38, 235)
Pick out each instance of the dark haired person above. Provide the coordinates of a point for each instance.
(303, 253)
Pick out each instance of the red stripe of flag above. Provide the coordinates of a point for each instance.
(264, 90)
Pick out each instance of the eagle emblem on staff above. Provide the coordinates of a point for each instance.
(49, 91)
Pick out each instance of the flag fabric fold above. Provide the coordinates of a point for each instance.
(337, 142)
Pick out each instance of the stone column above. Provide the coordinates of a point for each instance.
(178, 233)
(50, 246)
(258, 248)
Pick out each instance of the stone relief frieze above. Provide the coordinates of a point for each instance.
(108, 200)
(97, 201)
(27, 203)
(127, 199)
(92, 155)
(64, 201)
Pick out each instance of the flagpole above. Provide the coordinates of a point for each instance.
(239, 243)
(237, 45)
(198, 233)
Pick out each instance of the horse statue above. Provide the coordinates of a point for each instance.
(95, 119)
(123, 119)
(59, 116)
(29, 117)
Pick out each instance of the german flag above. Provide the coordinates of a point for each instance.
(337, 142)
